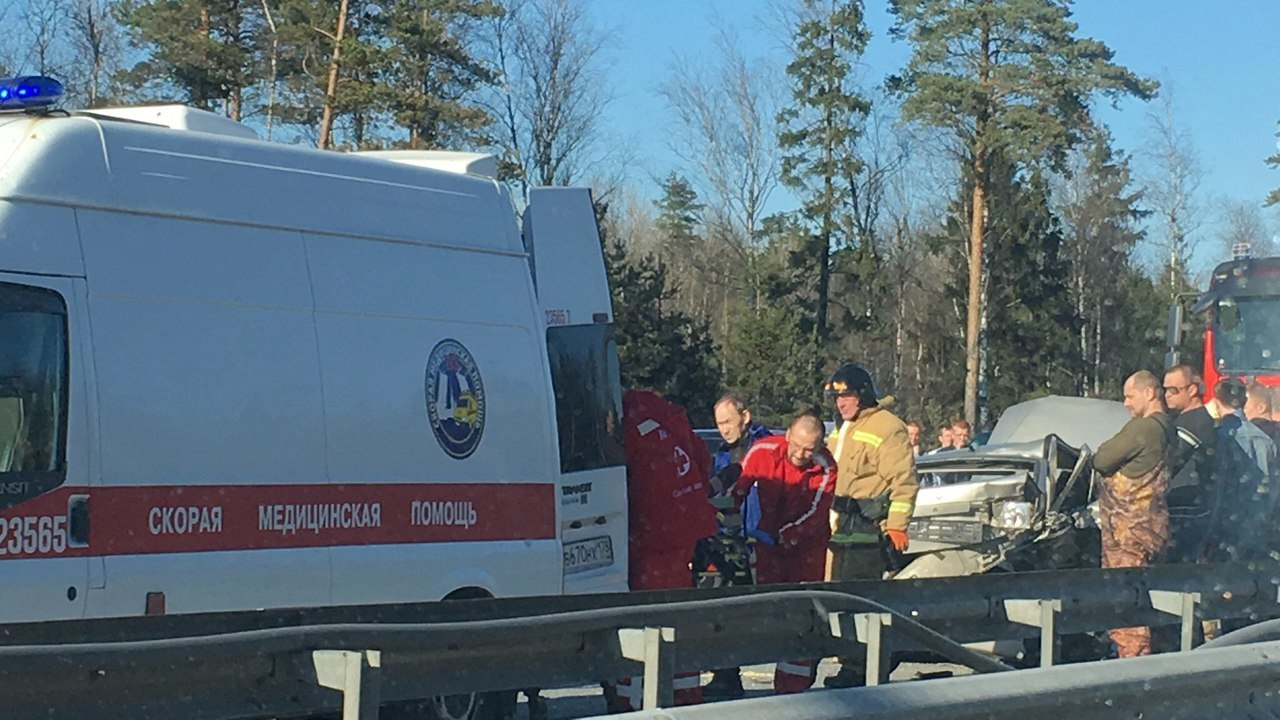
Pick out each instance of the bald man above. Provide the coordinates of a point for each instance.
(1258, 409)
(1133, 502)
(795, 477)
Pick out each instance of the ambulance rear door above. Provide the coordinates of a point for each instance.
(573, 294)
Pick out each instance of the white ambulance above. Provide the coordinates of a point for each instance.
(237, 374)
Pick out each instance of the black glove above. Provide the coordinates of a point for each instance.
(724, 480)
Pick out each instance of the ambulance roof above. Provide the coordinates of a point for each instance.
(132, 165)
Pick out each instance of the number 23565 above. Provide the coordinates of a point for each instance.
(32, 535)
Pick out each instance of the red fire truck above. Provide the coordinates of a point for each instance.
(1242, 327)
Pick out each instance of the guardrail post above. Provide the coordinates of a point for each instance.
(1041, 614)
(357, 675)
(1183, 605)
(868, 629)
(871, 632)
(655, 648)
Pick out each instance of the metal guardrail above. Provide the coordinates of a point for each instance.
(1232, 682)
(237, 665)
(286, 670)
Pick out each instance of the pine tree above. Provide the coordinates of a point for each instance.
(695, 271)
(1031, 317)
(1273, 197)
(679, 216)
(1004, 76)
(819, 134)
(771, 354)
(659, 347)
(204, 51)
(432, 72)
(329, 61)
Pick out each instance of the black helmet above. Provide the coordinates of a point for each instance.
(853, 379)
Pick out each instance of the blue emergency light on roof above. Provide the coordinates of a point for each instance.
(29, 92)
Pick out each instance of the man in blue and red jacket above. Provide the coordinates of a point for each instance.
(726, 558)
(733, 421)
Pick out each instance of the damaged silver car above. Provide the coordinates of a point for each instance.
(1020, 502)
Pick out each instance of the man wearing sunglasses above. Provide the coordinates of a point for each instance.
(1190, 462)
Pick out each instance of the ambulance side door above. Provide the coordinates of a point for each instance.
(44, 449)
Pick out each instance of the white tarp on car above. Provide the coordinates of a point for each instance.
(1078, 421)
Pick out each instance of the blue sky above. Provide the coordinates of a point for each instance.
(1221, 56)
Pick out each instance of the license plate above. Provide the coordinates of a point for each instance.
(589, 554)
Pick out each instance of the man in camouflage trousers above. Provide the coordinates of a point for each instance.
(1133, 500)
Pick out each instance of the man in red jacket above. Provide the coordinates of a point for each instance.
(796, 479)
(668, 468)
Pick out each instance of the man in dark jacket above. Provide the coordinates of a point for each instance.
(1257, 408)
(1191, 462)
(1132, 499)
(1242, 526)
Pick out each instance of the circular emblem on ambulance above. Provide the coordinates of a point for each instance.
(455, 398)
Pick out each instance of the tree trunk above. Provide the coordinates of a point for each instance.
(977, 223)
(95, 50)
(331, 90)
(206, 23)
(974, 319)
(828, 212)
(899, 336)
(1082, 382)
(1097, 349)
(824, 273)
(983, 347)
(358, 125)
(274, 56)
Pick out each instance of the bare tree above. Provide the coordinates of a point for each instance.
(1171, 183)
(10, 53)
(97, 45)
(1244, 231)
(725, 127)
(725, 131)
(1099, 212)
(45, 51)
(552, 91)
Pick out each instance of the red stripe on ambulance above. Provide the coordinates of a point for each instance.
(177, 519)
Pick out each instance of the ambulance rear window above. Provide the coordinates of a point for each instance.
(584, 373)
(33, 392)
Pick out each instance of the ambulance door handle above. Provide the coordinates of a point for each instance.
(602, 520)
(78, 521)
(576, 525)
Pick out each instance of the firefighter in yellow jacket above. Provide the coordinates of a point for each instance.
(875, 487)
